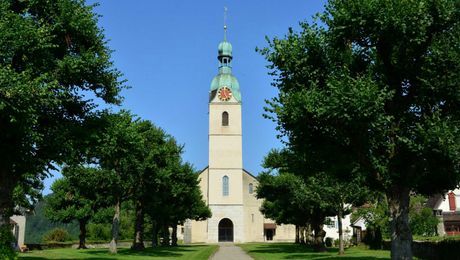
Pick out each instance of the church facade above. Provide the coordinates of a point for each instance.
(227, 188)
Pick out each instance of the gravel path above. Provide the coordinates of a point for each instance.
(228, 251)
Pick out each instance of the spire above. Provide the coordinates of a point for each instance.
(225, 23)
(225, 77)
(225, 50)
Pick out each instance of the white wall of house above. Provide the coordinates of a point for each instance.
(21, 224)
(332, 228)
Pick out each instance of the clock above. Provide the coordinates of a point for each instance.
(224, 94)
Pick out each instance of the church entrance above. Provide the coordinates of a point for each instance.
(225, 230)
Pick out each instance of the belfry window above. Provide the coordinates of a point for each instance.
(225, 118)
(251, 188)
(225, 185)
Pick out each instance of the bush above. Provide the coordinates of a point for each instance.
(445, 249)
(329, 241)
(373, 238)
(6, 243)
(57, 235)
(98, 231)
(336, 242)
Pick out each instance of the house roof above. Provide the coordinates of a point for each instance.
(433, 201)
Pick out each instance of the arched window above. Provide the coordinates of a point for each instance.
(225, 185)
(225, 118)
(251, 188)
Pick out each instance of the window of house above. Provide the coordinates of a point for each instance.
(252, 218)
(251, 188)
(225, 185)
(330, 223)
(225, 118)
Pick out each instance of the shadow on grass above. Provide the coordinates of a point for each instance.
(103, 254)
(147, 252)
(295, 251)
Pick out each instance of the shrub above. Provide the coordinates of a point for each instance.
(329, 241)
(373, 238)
(336, 242)
(98, 231)
(57, 235)
(6, 243)
(445, 249)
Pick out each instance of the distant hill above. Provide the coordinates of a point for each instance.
(37, 225)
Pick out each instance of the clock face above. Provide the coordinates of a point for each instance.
(224, 94)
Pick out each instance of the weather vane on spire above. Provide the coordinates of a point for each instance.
(225, 23)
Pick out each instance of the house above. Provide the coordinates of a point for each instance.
(18, 223)
(447, 208)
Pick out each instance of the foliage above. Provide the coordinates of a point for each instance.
(57, 235)
(38, 224)
(375, 215)
(54, 64)
(99, 231)
(329, 241)
(7, 250)
(443, 249)
(421, 218)
(294, 195)
(373, 89)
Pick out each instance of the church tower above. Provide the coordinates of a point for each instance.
(225, 197)
(228, 189)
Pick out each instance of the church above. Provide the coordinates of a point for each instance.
(227, 188)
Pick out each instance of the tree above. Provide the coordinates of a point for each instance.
(290, 197)
(75, 197)
(308, 195)
(178, 198)
(54, 62)
(157, 149)
(374, 89)
(117, 150)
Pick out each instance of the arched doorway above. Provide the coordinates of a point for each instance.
(225, 230)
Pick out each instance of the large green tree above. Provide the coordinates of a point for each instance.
(373, 89)
(54, 63)
(296, 196)
(75, 198)
(156, 153)
(117, 149)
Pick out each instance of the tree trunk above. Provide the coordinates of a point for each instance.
(339, 222)
(115, 228)
(318, 242)
(138, 243)
(82, 236)
(401, 236)
(302, 235)
(165, 235)
(7, 185)
(308, 236)
(154, 234)
(297, 231)
(174, 236)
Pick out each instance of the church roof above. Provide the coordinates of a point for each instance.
(245, 171)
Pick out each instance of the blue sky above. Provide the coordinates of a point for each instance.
(167, 51)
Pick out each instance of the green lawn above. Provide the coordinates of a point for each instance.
(188, 252)
(271, 251)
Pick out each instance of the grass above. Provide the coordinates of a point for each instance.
(188, 252)
(272, 251)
